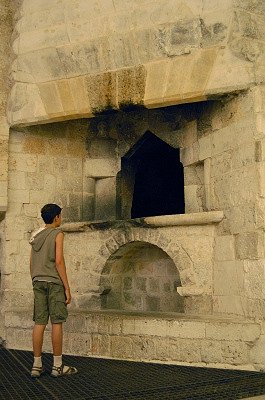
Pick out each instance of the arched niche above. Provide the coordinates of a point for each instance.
(140, 276)
(151, 180)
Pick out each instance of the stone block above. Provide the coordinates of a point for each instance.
(100, 168)
(211, 351)
(102, 148)
(257, 352)
(193, 200)
(18, 300)
(155, 83)
(102, 91)
(30, 41)
(121, 347)
(185, 350)
(3, 189)
(66, 96)
(4, 128)
(239, 74)
(189, 155)
(235, 353)
(226, 279)
(216, 23)
(105, 199)
(175, 79)
(220, 5)
(19, 339)
(80, 96)
(180, 36)
(19, 320)
(51, 99)
(244, 155)
(194, 87)
(75, 323)
(23, 162)
(151, 327)
(226, 331)
(186, 329)
(148, 44)
(40, 197)
(193, 175)
(77, 343)
(37, 64)
(249, 245)
(131, 86)
(225, 248)
(230, 304)
(101, 345)
(19, 195)
(128, 326)
(34, 145)
(254, 272)
(162, 348)
(143, 348)
(205, 147)
(3, 170)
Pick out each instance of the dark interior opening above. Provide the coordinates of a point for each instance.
(153, 173)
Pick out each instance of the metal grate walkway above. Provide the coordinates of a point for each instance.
(101, 379)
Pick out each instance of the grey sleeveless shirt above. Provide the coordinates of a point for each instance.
(43, 267)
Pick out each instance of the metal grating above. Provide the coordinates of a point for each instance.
(101, 379)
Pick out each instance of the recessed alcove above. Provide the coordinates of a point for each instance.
(140, 276)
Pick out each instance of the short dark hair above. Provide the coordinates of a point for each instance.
(49, 212)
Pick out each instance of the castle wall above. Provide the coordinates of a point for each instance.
(73, 59)
(126, 73)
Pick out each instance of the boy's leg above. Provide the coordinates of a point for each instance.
(40, 317)
(37, 339)
(58, 314)
(57, 339)
(58, 368)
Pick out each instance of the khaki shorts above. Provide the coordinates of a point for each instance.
(49, 301)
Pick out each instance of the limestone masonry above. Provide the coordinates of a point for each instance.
(103, 102)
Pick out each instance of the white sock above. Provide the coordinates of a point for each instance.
(37, 362)
(57, 361)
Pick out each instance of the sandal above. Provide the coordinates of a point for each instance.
(63, 370)
(36, 372)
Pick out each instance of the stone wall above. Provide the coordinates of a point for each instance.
(211, 342)
(6, 23)
(73, 59)
(146, 54)
(75, 164)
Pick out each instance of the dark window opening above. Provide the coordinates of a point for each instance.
(152, 179)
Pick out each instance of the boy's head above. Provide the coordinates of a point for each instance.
(49, 212)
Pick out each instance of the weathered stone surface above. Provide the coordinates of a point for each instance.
(184, 46)
(135, 55)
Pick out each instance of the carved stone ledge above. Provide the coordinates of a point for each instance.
(203, 218)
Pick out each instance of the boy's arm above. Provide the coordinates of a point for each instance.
(60, 265)
(30, 263)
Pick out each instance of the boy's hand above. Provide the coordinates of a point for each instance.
(68, 296)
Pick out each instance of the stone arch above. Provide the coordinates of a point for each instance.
(179, 255)
(140, 276)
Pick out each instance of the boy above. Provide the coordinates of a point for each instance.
(51, 289)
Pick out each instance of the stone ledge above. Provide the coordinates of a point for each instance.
(209, 217)
(202, 218)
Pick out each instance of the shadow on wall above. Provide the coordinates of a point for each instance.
(140, 276)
